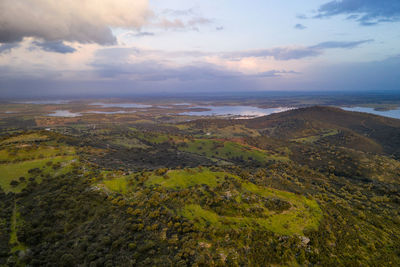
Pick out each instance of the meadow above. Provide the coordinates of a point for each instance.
(30, 155)
(248, 205)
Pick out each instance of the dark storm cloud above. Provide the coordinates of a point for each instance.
(366, 12)
(300, 27)
(57, 47)
(4, 48)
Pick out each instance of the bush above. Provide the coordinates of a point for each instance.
(14, 183)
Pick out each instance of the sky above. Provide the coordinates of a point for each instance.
(89, 47)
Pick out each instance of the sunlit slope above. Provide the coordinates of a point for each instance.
(25, 156)
(225, 201)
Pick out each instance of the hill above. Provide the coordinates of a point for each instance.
(365, 131)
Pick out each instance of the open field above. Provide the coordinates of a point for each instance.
(314, 138)
(24, 138)
(228, 150)
(16, 223)
(13, 171)
(303, 213)
(180, 179)
(22, 160)
(249, 205)
(27, 152)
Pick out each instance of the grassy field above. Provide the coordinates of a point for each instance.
(13, 171)
(119, 184)
(228, 150)
(303, 214)
(24, 138)
(155, 138)
(314, 138)
(16, 222)
(18, 156)
(233, 131)
(28, 152)
(180, 179)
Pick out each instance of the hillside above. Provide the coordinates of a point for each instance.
(314, 186)
(363, 128)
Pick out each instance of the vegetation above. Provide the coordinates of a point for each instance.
(180, 179)
(308, 187)
(229, 150)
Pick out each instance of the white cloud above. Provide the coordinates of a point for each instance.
(84, 21)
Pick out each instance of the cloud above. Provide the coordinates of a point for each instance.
(374, 75)
(171, 24)
(334, 44)
(185, 19)
(273, 73)
(138, 64)
(57, 47)
(198, 21)
(132, 67)
(179, 24)
(181, 12)
(219, 28)
(301, 16)
(4, 48)
(277, 53)
(366, 12)
(141, 34)
(300, 27)
(152, 77)
(292, 53)
(85, 21)
(152, 70)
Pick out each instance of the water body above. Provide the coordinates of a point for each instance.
(64, 113)
(394, 113)
(176, 105)
(108, 112)
(46, 102)
(182, 104)
(244, 111)
(120, 105)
